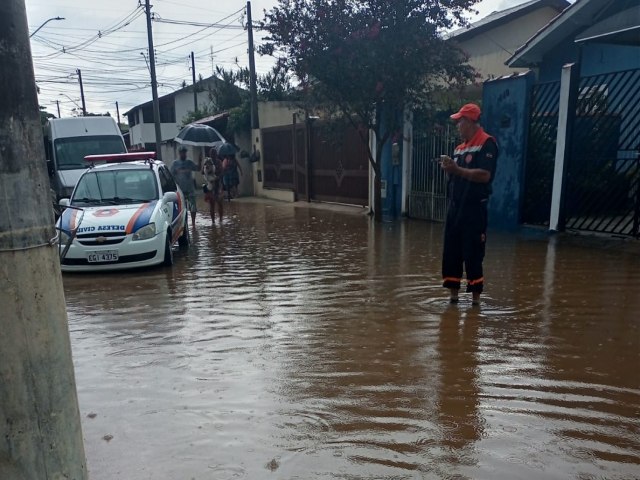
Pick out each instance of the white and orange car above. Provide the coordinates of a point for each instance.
(126, 211)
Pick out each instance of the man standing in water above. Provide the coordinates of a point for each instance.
(471, 172)
(182, 169)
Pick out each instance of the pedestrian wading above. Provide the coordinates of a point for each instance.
(40, 434)
(471, 172)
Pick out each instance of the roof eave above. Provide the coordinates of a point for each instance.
(528, 53)
(471, 32)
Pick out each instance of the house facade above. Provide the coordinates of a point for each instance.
(570, 129)
(490, 41)
(173, 108)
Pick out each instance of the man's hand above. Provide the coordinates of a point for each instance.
(448, 164)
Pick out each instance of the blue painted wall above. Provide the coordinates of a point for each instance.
(596, 59)
(505, 115)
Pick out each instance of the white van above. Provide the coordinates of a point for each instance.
(68, 140)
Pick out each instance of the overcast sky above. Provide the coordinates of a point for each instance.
(107, 42)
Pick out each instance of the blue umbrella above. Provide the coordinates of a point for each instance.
(199, 135)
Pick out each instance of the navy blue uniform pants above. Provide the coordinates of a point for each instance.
(464, 245)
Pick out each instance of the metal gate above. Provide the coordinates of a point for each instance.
(278, 164)
(339, 167)
(541, 149)
(428, 194)
(317, 164)
(603, 171)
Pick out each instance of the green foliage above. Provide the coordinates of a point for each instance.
(201, 112)
(240, 118)
(230, 93)
(226, 93)
(371, 57)
(44, 115)
(276, 85)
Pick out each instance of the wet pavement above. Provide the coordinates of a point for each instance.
(302, 343)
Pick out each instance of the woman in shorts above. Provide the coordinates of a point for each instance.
(213, 194)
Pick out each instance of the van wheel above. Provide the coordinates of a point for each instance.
(183, 241)
(168, 251)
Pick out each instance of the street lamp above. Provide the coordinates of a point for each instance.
(37, 29)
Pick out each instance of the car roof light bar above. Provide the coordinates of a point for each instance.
(121, 157)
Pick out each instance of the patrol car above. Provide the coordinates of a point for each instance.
(126, 211)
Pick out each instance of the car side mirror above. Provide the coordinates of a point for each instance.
(50, 167)
(170, 197)
(64, 202)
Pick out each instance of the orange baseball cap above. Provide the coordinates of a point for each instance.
(470, 111)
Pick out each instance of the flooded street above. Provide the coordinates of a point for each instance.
(306, 343)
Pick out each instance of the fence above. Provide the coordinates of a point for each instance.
(603, 171)
(428, 194)
(543, 129)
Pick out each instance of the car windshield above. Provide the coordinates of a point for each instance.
(70, 152)
(116, 187)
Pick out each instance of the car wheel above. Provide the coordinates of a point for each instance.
(183, 241)
(168, 251)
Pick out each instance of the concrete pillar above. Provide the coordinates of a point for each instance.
(407, 149)
(568, 97)
(40, 434)
(373, 146)
(506, 116)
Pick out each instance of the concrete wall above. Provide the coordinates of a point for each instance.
(505, 105)
(145, 132)
(277, 114)
(489, 50)
(142, 133)
(184, 104)
(246, 187)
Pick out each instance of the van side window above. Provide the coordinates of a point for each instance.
(166, 181)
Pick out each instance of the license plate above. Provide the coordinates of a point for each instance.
(102, 256)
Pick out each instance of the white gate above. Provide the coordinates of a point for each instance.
(428, 194)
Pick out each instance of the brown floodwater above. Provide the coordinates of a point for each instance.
(305, 343)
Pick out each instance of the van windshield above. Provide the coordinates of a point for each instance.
(70, 152)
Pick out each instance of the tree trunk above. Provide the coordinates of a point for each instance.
(40, 431)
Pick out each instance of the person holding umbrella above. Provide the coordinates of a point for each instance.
(182, 169)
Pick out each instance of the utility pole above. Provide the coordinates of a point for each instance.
(58, 105)
(118, 113)
(39, 416)
(154, 82)
(195, 93)
(253, 90)
(84, 107)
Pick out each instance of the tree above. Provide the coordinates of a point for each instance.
(230, 93)
(44, 115)
(369, 59)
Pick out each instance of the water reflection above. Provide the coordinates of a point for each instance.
(305, 343)
(459, 414)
